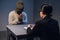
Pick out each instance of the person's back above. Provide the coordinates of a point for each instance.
(48, 29)
(52, 30)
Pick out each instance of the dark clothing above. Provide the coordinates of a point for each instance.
(47, 29)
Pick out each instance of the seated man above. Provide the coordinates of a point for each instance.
(18, 16)
(47, 28)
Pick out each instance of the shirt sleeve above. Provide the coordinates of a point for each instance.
(12, 19)
(34, 30)
(25, 19)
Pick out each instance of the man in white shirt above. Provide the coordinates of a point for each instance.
(18, 16)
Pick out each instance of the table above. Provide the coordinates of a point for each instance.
(16, 31)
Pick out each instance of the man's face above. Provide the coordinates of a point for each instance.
(19, 6)
(19, 11)
(41, 14)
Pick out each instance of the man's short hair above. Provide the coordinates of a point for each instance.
(47, 9)
(19, 5)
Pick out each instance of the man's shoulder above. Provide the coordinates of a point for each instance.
(24, 13)
(50, 21)
(39, 21)
(54, 20)
(13, 11)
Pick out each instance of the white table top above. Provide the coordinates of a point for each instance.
(17, 29)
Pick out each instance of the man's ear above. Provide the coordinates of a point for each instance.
(43, 13)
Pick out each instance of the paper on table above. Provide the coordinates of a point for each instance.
(29, 26)
(25, 27)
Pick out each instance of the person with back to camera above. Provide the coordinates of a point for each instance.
(47, 28)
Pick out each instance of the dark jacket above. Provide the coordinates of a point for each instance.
(47, 29)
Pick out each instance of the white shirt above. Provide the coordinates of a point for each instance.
(13, 17)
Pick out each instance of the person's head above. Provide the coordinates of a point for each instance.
(19, 7)
(46, 10)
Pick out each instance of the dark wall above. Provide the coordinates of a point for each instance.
(54, 3)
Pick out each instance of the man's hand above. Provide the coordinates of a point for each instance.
(30, 26)
(20, 16)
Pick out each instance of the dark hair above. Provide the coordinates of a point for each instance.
(47, 9)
